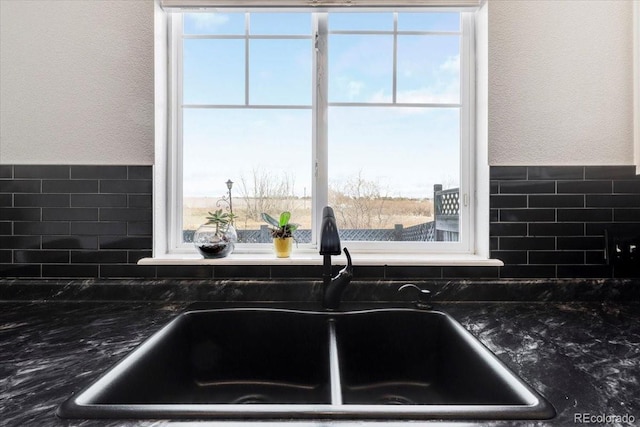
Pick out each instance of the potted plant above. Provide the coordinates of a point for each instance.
(282, 233)
(217, 237)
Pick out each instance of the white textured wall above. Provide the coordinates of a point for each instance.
(560, 82)
(76, 81)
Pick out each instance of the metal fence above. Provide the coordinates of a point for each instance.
(444, 228)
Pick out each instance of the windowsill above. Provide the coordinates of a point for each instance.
(315, 259)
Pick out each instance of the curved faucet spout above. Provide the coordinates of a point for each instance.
(335, 286)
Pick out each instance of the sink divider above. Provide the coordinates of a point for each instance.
(334, 365)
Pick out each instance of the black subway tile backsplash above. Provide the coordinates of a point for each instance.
(139, 228)
(22, 270)
(626, 215)
(502, 201)
(99, 257)
(70, 242)
(527, 215)
(125, 186)
(69, 214)
(96, 221)
(56, 222)
(6, 200)
(498, 229)
(6, 171)
(41, 200)
(610, 172)
(99, 172)
(583, 243)
(69, 186)
(555, 172)
(20, 242)
(20, 214)
(508, 173)
(556, 229)
(40, 228)
(41, 256)
(527, 243)
(125, 214)
(98, 200)
(6, 256)
(99, 228)
(613, 200)
(124, 242)
(556, 257)
(585, 187)
(6, 228)
(139, 200)
(140, 172)
(556, 201)
(527, 187)
(585, 215)
(631, 187)
(69, 270)
(40, 172)
(585, 201)
(20, 186)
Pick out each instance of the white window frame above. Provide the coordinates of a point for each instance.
(168, 207)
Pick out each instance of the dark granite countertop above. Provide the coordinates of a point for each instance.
(584, 357)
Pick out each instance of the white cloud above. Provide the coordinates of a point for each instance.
(209, 21)
(452, 64)
(354, 88)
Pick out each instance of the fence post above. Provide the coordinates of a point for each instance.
(397, 232)
(437, 209)
(264, 234)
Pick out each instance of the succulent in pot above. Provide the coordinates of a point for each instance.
(217, 237)
(282, 233)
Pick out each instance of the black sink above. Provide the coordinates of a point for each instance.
(267, 363)
(426, 362)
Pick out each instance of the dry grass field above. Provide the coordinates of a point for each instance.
(350, 212)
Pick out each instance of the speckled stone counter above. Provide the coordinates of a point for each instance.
(584, 357)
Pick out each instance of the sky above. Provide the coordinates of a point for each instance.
(404, 150)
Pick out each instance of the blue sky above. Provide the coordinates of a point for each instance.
(404, 150)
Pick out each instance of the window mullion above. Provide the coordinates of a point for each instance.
(175, 197)
(320, 190)
(247, 23)
(395, 59)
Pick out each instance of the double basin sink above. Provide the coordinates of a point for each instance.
(267, 363)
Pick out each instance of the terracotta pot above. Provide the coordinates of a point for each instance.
(283, 246)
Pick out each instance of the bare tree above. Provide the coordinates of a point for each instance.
(265, 191)
(361, 203)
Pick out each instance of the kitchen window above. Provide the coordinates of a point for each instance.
(369, 111)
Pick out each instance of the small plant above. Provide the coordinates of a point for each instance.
(280, 228)
(222, 220)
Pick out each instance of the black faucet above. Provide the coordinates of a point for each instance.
(330, 245)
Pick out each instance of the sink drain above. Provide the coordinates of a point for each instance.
(251, 399)
(393, 399)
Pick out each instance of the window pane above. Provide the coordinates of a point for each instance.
(360, 68)
(428, 21)
(213, 71)
(266, 153)
(281, 23)
(428, 69)
(360, 21)
(280, 72)
(214, 23)
(388, 194)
